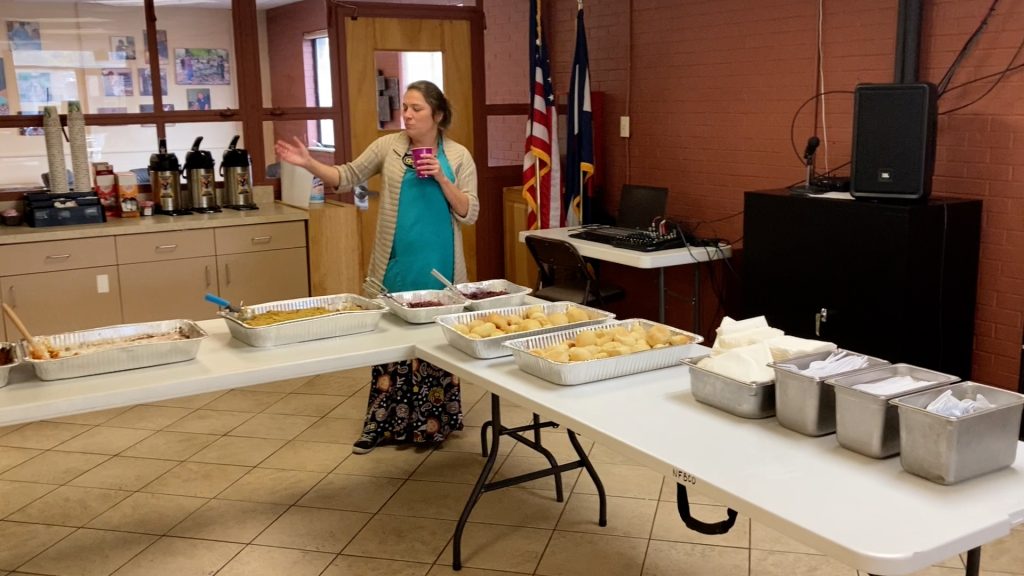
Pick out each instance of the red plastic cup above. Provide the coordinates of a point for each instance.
(418, 153)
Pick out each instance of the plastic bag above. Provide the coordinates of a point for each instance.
(947, 405)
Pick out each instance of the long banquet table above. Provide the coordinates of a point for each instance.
(869, 514)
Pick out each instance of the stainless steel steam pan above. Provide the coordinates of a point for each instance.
(493, 347)
(743, 399)
(572, 373)
(340, 323)
(450, 304)
(866, 423)
(122, 353)
(515, 294)
(948, 450)
(806, 404)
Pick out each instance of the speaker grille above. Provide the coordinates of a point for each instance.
(893, 141)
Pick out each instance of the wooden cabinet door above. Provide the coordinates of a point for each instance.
(168, 290)
(55, 302)
(258, 277)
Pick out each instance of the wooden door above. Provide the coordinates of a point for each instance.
(55, 302)
(168, 290)
(366, 36)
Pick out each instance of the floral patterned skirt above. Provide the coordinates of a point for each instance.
(412, 401)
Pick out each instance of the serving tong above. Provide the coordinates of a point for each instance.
(377, 289)
(242, 313)
(447, 284)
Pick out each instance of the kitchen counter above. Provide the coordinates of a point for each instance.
(268, 213)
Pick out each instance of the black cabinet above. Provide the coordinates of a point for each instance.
(896, 281)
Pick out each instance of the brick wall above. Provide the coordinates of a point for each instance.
(712, 87)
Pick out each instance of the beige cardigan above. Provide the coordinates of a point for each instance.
(384, 157)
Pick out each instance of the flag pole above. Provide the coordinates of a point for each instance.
(536, 188)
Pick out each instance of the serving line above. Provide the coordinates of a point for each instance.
(659, 259)
(866, 513)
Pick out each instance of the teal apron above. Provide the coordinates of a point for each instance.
(424, 238)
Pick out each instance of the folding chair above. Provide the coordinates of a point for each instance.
(565, 276)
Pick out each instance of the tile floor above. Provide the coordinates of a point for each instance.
(262, 481)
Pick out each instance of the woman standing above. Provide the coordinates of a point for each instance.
(418, 229)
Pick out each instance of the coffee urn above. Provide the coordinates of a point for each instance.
(235, 169)
(165, 180)
(199, 176)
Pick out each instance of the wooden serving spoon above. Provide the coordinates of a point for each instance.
(38, 350)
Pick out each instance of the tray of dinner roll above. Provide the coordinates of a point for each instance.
(610, 350)
(481, 334)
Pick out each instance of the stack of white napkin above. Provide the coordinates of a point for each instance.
(894, 385)
(947, 405)
(744, 348)
(836, 363)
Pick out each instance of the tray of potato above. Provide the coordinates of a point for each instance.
(482, 333)
(610, 350)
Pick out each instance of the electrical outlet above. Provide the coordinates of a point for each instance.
(624, 126)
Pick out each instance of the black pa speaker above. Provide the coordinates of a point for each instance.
(893, 141)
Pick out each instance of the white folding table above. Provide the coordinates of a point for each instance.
(866, 513)
(659, 260)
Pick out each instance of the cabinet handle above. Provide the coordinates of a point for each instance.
(206, 273)
(261, 239)
(227, 274)
(58, 256)
(166, 247)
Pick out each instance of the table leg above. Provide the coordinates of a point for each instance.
(554, 469)
(661, 295)
(478, 488)
(602, 515)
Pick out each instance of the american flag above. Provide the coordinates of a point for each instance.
(580, 153)
(541, 175)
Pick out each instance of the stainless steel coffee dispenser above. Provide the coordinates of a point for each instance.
(199, 176)
(235, 168)
(165, 180)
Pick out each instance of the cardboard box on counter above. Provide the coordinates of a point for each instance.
(105, 185)
(128, 194)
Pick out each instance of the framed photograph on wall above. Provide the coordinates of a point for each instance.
(122, 47)
(161, 45)
(198, 98)
(148, 108)
(30, 130)
(117, 82)
(201, 66)
(33, 88)
(24, 35)
(146, 82)
(112, 110)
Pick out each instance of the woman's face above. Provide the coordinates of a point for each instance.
(420, 120)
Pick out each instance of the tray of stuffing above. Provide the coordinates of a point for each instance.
(481, 334)
(303, 319)
(113, 348)
(611, 350)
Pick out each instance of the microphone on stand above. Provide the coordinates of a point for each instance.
(809, 151)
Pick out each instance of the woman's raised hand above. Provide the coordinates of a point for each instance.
(293, 152)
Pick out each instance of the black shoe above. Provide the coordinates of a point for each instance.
(364, 445)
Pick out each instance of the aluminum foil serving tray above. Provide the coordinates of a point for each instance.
(450, 304)
(117, 357)
(514, 294)
(572, 373)
(5, 369)
(311, 328)
(493, 347)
